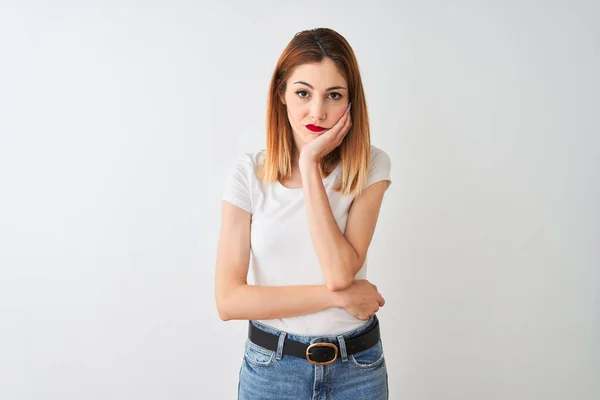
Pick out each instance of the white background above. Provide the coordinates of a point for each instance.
(119, 121)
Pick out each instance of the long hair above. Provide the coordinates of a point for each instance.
(312, 46)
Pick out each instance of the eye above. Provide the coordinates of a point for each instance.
(303, 94)
(298, 92)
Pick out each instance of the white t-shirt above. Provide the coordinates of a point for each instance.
(282, 253)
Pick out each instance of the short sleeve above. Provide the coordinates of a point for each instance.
(237, 190)
(380, 168)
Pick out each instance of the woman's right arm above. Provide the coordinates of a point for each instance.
(236, 299)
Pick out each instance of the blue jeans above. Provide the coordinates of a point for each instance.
(267, 374)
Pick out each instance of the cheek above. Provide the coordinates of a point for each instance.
(296, 112)
(339, 113)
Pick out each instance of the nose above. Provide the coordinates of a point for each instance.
(317, 111)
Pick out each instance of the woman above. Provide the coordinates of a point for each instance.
(304, 211)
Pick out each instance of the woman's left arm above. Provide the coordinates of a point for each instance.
(340, 255)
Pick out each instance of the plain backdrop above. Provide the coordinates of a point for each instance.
(119, 121)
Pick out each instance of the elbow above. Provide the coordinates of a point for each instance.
(222, 310)
(339, 284)
(224, 317)
(223, 307)
(223, 314)
(226, 300)
(343, 279)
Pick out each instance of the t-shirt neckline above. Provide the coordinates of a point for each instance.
(325, 181)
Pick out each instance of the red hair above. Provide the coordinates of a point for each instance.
(312, 46)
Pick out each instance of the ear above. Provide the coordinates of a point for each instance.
(282, 98)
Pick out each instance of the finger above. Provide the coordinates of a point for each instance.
(345, 129)
(345, 118)
(338, 134)
(339, 125)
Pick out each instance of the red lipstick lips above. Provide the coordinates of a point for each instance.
(315, 128)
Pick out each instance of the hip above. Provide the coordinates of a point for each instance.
(292, 366)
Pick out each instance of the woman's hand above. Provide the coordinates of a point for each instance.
(361, 299)
(322, 145)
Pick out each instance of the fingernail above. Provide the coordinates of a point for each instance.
(349, 105)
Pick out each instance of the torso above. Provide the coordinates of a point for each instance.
(282, 253)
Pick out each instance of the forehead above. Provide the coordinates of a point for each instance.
(320, 75)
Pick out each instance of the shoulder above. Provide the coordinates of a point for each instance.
(241, 179)
(379, 167)
(379, 161)
(379, 155)
(249, 161)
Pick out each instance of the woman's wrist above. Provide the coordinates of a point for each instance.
(336, 299)
(305, 162)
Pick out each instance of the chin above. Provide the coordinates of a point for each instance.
(310, 137)
(306, 136)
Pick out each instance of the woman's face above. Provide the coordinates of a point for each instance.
(316, 94)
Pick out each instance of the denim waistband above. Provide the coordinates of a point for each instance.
(312, 339)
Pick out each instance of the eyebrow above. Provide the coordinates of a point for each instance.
(328, 89)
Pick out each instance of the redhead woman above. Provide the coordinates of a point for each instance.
(302, 212)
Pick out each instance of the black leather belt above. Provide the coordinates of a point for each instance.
(316, 353)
